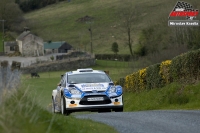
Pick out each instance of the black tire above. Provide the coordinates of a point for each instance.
(119, 109)
(104, 110)
(63, 106)
(53, 106)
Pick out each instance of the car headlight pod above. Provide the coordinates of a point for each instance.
(74, 91)
(112, 89)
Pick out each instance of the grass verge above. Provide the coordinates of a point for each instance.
(20, 113)
(172, 96)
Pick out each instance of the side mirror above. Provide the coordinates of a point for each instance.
(59, 84)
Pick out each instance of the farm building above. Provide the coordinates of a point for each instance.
(10, 47)
(56, 47)
(30, 45)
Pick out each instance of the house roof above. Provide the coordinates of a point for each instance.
(53, 45)
(10, 43)
(22, 35)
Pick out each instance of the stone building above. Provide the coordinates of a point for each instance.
(10, 47)
(30, 45)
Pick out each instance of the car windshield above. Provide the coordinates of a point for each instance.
(88, 78)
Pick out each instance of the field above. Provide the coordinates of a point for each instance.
(173, 96)
(58, 22)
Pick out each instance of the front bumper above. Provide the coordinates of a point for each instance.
(83, 105)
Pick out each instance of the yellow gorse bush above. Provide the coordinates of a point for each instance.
(164, 70)
(142, 76)
(135, 81)
(128, 82)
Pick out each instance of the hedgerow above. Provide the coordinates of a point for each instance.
(184, 69)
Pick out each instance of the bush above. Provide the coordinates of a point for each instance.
(153, 78)
(185, 67)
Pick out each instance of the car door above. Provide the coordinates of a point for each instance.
(59, 89)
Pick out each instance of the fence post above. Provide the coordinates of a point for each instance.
(4, 66)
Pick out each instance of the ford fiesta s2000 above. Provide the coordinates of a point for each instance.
(87, 90)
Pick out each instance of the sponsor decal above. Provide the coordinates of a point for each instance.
(95, 99)
(183, 9)
(93, 86)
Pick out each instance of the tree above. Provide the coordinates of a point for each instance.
(115, 47)
(10, 12)
(128, 16)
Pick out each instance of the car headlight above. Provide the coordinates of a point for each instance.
(112, 89)
(74, 91)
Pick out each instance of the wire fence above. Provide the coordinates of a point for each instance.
(9, 77)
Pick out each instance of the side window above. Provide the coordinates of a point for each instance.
(63, 82)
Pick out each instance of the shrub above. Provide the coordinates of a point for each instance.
(153, 78)
(164, 71)
(131, 82)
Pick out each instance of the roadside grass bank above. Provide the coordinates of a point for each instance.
(21, 110)
(173, 96)
(20, 113)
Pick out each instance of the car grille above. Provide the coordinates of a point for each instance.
(84, 100)
(93, 92)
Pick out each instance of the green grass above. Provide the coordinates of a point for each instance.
(20, 113)
(32, 111)
(58, 22)
(173, 96)
(117, 69)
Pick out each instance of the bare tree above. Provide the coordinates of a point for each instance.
(128, 16)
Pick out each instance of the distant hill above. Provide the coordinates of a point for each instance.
(68, 21)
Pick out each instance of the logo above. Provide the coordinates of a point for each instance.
(94, 91)
(183, 9)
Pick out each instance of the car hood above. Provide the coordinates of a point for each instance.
(93, 86)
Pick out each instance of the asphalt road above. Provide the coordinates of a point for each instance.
(165, 121)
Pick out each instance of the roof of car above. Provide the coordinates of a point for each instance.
(85, 70)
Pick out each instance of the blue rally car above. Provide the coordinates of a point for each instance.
(87, 90)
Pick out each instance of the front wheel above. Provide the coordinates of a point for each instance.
(104, 110)
(119, 109)
(63, 106)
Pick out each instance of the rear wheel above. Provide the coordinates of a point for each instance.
(53, 106)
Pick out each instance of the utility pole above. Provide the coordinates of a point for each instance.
(90, 30)
(3, 33)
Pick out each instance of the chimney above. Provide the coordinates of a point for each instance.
(26, 29)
